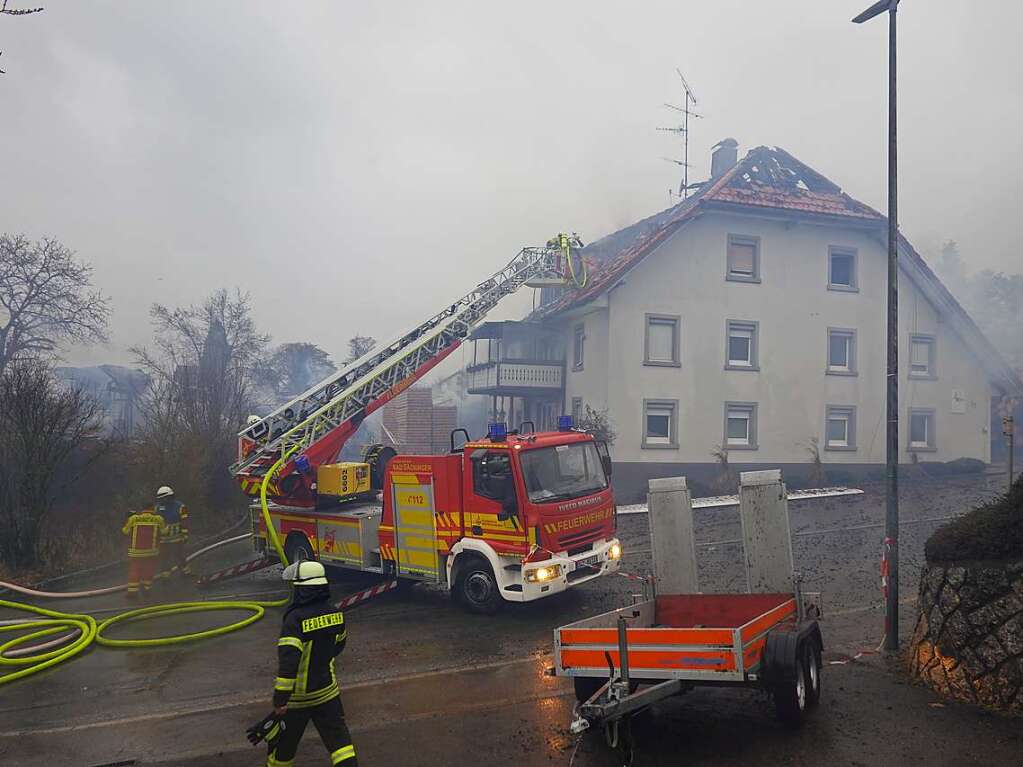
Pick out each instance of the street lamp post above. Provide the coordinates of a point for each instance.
(892, 398)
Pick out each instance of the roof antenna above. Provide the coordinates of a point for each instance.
(688, 98)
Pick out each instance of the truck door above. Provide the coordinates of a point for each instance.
(415, 532)
(492, 503)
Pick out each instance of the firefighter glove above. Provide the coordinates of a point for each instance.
(268, 729)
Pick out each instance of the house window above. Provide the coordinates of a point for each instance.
(841, 352)
(840, 428)
(741, 345)
(921, 356)
(921, 429)
(741, 425)
(578, 346)
(661, 342)
(660, 423)
(577, 410)
(842, 269)
(743, 258)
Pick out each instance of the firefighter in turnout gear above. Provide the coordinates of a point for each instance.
(144, 530)
(312, 634)
(172, 548)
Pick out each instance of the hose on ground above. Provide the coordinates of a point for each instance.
(29, 592)
(111, 565)
(80, 631)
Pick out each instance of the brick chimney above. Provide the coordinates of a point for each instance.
(724, 156)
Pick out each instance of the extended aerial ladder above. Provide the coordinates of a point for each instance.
(312, 428)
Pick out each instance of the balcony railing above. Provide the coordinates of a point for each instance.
(514, 377)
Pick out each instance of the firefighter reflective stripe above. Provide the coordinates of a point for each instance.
(274, 732)
(342, 754)
(303, 668)
(283, 684)
(175, 516)
(290, 642)
(144, 530)
(315, 698)
(323, 621)
(341, 637)
(271, 761)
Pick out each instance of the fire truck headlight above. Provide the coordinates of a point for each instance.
(615, 552)
(541, 574)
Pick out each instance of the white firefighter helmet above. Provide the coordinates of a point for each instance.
(252, 419)
(305, 572)
(164, 491)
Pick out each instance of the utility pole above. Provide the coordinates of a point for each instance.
(891, 641)
(1009, 432)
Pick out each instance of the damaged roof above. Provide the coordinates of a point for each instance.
(768, 179)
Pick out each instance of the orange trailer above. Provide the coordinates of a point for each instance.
(675, 642)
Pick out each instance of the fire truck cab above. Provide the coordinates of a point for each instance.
(511, 517)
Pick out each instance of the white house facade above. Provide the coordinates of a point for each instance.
(749, 321)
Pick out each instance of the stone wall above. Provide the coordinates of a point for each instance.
(968, 642)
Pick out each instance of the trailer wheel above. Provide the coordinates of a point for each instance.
(297, 546)
(791, 696)
(476, 587)
(814, 664)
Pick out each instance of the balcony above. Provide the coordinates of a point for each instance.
(515, 379)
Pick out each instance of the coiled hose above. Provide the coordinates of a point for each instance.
(581, 277)
(82, 630)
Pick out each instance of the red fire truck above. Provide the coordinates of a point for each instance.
(512, 517)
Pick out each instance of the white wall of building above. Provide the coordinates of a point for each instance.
(793, 309)
(590, 383)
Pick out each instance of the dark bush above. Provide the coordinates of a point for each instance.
(993, 531)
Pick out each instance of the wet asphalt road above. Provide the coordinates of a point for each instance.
(426, 684)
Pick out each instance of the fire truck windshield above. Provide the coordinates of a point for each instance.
(561, 472)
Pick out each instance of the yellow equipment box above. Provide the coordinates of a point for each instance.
(342, 480)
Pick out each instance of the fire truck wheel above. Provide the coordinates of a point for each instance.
(812, 660)
(790, 696)
(297, 547)
(476, 587)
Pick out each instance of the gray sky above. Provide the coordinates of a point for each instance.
(354, 165)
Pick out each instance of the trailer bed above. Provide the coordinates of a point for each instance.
(702, 638)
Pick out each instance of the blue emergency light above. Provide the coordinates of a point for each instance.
(564, 423)
(498, 431)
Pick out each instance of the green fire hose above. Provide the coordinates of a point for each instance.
(84, 629)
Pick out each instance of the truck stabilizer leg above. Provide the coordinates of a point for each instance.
(234, 571)
(361, 596)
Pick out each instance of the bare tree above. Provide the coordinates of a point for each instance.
(16, 12)
(359, 346)
(294, 367)
(205, 359)
(203, 367)
(42, 424)
(45, 299)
